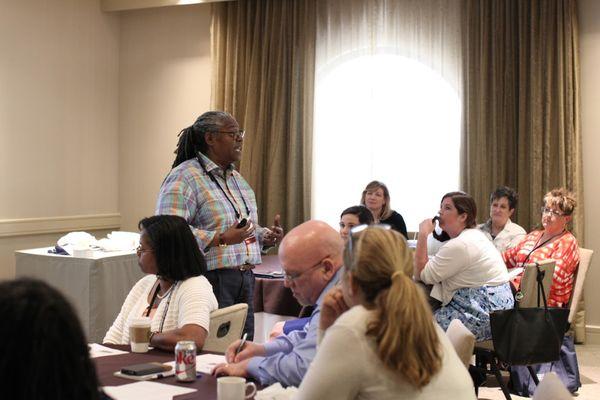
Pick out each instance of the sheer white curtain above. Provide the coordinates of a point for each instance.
(387, 104)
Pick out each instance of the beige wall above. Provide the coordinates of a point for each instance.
(164, 84)
(90, 107)
(589, 25)
(58, 116)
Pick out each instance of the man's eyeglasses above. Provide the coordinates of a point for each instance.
(141, 250)
(354, 232)
(546, 210)
(292, 277)
(235, 134)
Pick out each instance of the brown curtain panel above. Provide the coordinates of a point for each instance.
(263, 74)
(521, 125)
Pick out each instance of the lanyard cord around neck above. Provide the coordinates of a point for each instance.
(212, 178)
(536, 246)
(164, 316)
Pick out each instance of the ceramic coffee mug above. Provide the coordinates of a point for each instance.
(234, 388)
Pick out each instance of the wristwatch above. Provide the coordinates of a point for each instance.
(222, 241)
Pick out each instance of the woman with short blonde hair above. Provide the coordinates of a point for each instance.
(386, 345)
(554, 241)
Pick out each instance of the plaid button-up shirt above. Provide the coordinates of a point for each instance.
(189, 192)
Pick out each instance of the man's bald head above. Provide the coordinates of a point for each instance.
(311, 254)
(312, 241)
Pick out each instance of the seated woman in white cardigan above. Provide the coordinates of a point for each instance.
(175, 295)
(387, 345)
(468, 275)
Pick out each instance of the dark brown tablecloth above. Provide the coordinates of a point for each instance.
(106, 367)
(270, 295)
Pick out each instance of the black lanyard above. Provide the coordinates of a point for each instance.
(152, 301)
(149, 309)
(212, 178)
(536, 246)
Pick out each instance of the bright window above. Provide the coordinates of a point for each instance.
(388, 118)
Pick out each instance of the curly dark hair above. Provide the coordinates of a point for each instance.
(44, 350)
(509, 193)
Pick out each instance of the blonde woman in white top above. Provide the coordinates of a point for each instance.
(175, 295)
(387, 345)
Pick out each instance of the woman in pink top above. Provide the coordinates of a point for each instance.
(552, 241)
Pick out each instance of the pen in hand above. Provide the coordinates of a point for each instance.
(242, 343)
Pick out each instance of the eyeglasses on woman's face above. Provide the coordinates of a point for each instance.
(140, 250)
(235, 135)
(551, 212)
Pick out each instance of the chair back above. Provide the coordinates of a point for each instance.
(529, 286)
(462, 340)
(226, 325)
(551, 388)
(585, 260)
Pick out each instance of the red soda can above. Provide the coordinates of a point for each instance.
(185, 361)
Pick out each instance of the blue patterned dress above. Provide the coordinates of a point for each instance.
(472, 306)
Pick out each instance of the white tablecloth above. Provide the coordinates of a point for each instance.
(95, 286)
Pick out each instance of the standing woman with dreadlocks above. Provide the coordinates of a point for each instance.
(204, 188)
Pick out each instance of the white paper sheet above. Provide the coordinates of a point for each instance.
(97, 350)
(145, 390)
(205, 363)
(276, 392)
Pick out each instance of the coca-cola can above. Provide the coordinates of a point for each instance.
(185, 361)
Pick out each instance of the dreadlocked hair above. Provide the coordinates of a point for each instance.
(191, 139)
(406, 339)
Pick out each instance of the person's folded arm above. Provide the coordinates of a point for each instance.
(288, 357)
(509, 255)
(167, 340)
(420, 257)
(115, 333)
(448, 261)
(177, 197)
(335, 361)
(195, 300)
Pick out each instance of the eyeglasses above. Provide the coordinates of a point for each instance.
(354, 232)
(292, 277)
(140, 249)
(554, 213)
(235, 134)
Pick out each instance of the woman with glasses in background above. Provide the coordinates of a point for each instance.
(376, 197)
(174, 295)
(386, 345)
(552, 241)
(468, 275)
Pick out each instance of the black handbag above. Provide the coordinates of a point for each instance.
(525, 336)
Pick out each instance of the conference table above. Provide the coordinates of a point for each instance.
(206, 385)
(97, 287)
